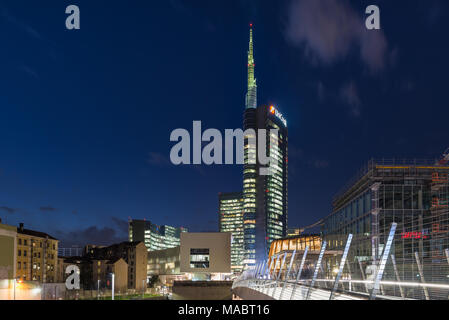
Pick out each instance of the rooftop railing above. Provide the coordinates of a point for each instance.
(372, 163)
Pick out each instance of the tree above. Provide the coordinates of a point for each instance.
(152, 281)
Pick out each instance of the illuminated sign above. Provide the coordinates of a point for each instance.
(274, 111)
(415, 235)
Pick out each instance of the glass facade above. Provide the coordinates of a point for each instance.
(298, 243)
(276, 183)
(265, 200)
(199, 258)
(155, 237)
(264, 197)
(231, 220)
(413, 194)
(164, 262)
(249, 189)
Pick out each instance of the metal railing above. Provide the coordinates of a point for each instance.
(280, 278)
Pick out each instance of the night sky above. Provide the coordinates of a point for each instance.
(86, 115)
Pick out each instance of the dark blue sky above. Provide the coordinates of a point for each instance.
(86, 115)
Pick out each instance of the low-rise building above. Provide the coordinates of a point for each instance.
(37, 255)
(206, 252)
(133, 253)
(96, 273)
(201, 256)
(166, 265)
(8, 250)
(101, 269)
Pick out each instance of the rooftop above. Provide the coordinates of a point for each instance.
(387, 163)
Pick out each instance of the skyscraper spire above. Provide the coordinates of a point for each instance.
(251, 95)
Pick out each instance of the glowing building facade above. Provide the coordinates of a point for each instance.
(414, 194)
(230, 219)
(265, 199)
(155, 237)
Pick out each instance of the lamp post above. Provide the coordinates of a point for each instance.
(98, 289)
(113, 276)
(14, 280)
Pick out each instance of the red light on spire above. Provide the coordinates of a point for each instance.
(251, 24)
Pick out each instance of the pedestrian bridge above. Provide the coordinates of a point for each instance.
(298, 275)
(256, 289)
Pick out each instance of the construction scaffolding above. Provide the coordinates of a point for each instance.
(387, 238)
(414, 195)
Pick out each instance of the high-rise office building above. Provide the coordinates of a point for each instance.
(230, 219)
(155, 237)
(265, 199)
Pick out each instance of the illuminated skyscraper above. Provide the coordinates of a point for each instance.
(230, 219)
(265, 197)
(155, 237)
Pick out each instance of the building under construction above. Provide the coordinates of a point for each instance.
(414, 195)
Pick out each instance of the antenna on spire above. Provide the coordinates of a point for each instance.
(251, 95)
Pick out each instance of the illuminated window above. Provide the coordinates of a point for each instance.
(199, 258)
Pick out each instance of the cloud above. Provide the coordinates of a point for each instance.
(179, 6)
(160, 160)
(328, 30)
(7, 16)
(8, 209)
(91, 235)
(321, 92)
(299, 157)
(29, 72)
(435, 13)
(349, 95)
(321, 164)
(407, 85)
(157, 159)
(121, 224)
(47, 209)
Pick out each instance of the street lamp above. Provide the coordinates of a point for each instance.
(113, 276)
